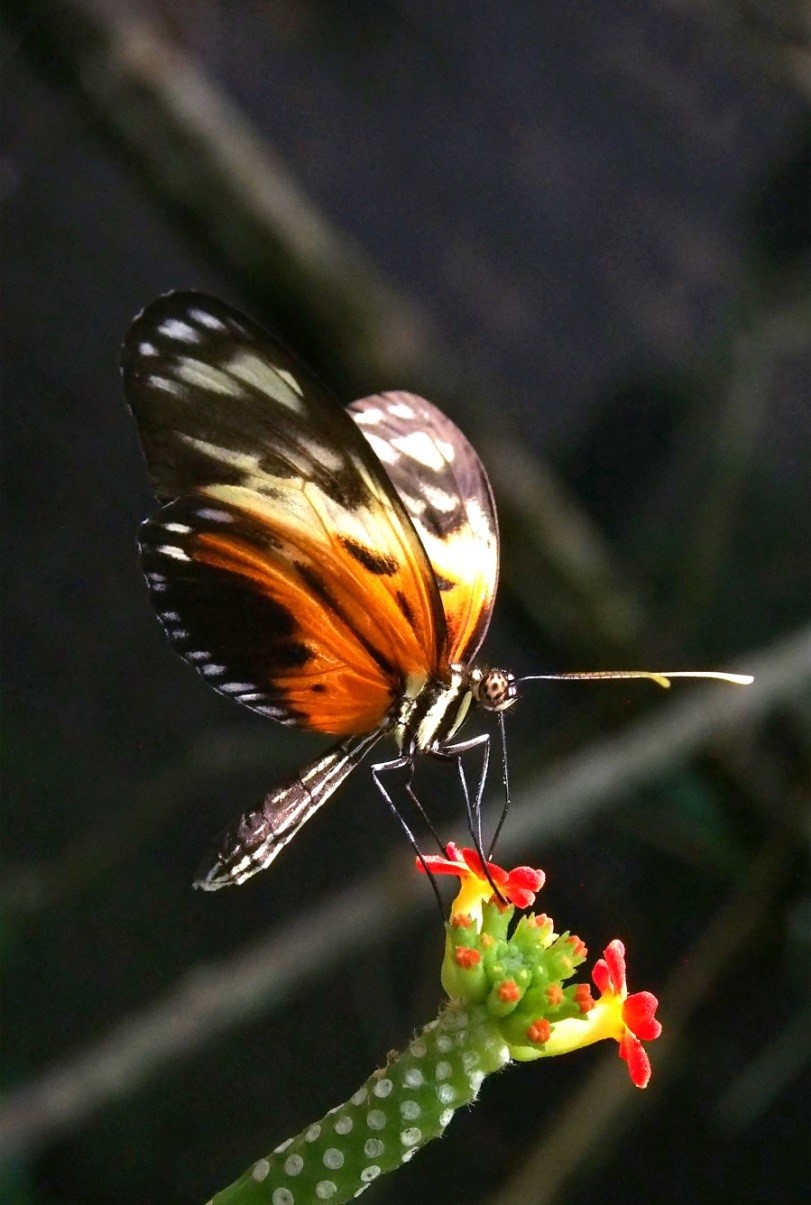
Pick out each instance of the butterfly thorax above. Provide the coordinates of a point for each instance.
(428, 719)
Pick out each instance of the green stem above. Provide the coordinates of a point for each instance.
(398, 1109)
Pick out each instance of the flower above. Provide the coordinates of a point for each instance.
(638, 1012)
(630, 1020)
(516, 971)
(518, 886)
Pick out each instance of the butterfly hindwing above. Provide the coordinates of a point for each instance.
(284, 565)
(445, 489)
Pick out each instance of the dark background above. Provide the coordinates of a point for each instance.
(598, 216)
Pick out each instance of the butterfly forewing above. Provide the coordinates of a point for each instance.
(447, 493)
(284, 565)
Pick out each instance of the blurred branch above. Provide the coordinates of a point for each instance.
(204, 161)
(775, 33)
(210, 1001)
(31, 887)
(743, 391)
(587, 601)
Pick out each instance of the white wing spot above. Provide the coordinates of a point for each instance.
(177, 554)
(206, 376)
(212, 670)
(206, 319)
(415, 506)
(440, 499)
(246, 366)
(175, 329)
(237, 688)
(400, 410)
(215, 516)
(368, 418)
(321, 454)
(166, 385)
(182, 529)
(420, 447)
(246, 462)
(290, 380)
(381, 448)
(148, 349)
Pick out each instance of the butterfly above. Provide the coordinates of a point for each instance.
(331, 568)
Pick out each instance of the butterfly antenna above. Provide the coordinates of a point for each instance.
(505, 778)
(661, 676)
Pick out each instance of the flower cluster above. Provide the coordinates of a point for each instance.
(519, 973)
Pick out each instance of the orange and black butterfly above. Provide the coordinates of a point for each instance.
(334, 569)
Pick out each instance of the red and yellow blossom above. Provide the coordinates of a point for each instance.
(519, 976)
(518, 886)
(629, 1020)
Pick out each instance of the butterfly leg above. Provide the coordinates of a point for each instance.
(474, 808)
(505, 778)
(385, 767)
(412, 795)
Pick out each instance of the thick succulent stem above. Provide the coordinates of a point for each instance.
(399, 1108)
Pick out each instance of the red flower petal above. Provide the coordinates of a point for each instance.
(438, 865)
(614, 954)
(528, 877)
(474, 862)
(639, 1014)
(523, 884)
(632, 1050)
(601, 976)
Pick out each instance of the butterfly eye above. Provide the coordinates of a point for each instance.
(496, 690)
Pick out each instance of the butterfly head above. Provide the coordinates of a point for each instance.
(493, 689)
